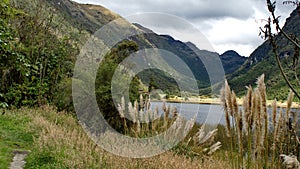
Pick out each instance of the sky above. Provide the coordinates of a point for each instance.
(227, 24)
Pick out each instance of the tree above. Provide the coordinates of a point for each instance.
(33, 57)
(104, 82)
(292, 38)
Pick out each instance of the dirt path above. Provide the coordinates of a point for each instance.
(18, 160)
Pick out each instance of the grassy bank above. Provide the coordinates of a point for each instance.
(15, 134)
(57, 141)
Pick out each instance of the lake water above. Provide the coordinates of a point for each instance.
(206, 113)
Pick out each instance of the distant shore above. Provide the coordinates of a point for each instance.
(216, 101)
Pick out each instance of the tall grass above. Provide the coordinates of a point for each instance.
(60, 142)
(140, 121)
(260, 139)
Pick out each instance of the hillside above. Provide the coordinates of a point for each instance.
(262, 61)
(92, 17)
(84, 16)
(232, 61)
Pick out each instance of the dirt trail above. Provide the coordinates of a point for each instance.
(18, 160)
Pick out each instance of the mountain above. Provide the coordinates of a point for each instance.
(263, 61)
(231, 61)
(84, 16)
(90, 18)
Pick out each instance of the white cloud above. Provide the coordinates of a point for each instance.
(228, 25)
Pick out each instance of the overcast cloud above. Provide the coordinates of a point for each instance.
(227, 24)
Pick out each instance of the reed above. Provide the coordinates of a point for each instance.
(260, 143)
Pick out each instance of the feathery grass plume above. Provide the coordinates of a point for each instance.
(225, 107)
(147, 115)
(247, 105)
(258, 124)
(228, 98)
(142, 104)
(262, 90)
(199, 135)
(123, 103)
(138, 128)
(214, 148)
(148, 103)
(264, 116)
(290, 161)
(136, 110)
(209, 137)
(120, 110)
(274, 113)
(178, 126)
(189, 125)
(131, 112)
(234, 106)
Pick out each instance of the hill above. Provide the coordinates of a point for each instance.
(262, 61)
(232, 61)
(92, 17)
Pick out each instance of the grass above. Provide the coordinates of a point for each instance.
(57, 141)
(15, 134)
(260, 139)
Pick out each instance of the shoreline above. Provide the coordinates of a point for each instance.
(211, 101)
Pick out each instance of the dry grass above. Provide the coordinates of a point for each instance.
(62, 143)
(260, 144)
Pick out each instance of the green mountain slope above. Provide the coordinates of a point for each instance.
(262, 61)
(92, 17)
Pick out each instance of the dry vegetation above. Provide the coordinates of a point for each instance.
(61, 143)
(252, 137)
(262, 139)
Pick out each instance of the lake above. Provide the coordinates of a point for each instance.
(207, 113)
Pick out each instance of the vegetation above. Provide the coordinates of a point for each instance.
(58, 141)
(38, 45)
(259, 143)
(291, 38)
(277, 55)
(33, 59)
(12, 136)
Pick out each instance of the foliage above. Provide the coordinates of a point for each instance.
(264, 61)
(256, 136)
(103, 81)
(58, 141)
(33, 59)
(293, 39)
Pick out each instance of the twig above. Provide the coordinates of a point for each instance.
(271, 7)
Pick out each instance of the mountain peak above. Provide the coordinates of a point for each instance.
(231, 53)
(231, 61)
(147, 30)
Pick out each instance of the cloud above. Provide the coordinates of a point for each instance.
(228, 25)
(189, 9)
